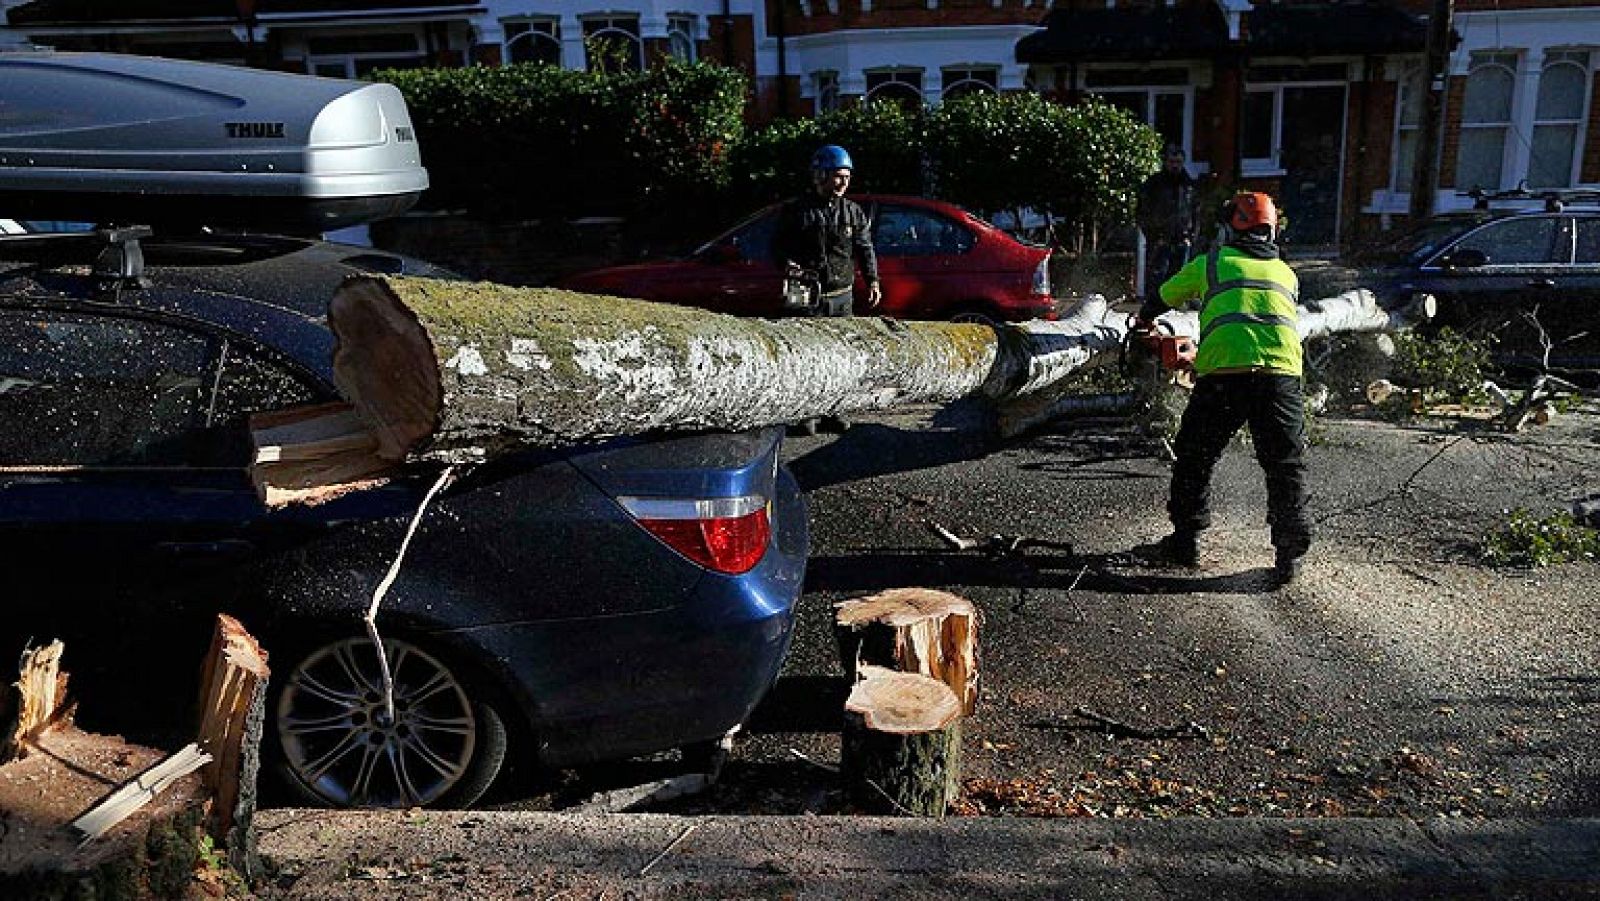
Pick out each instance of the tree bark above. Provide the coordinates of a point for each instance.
(913, 630)
(233, 685)
(901, 743)
(458, 368)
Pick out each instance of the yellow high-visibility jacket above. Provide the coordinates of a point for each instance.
(1247, 314)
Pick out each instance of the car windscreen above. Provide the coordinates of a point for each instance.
(1417, 243)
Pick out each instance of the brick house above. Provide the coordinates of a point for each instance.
(1317, 102)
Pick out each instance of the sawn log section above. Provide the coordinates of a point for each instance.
(453, 368)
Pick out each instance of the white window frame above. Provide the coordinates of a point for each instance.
(1510, 61)
(1413, 80)
(1270, 166)
(323, 64)
(1151, 92)
(979, 77)
(892, 77)
(536, 29)
(684, 28)
(825, 85)
(626, 26)
(1579, 59)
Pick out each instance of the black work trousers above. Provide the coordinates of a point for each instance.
(1274, 408)
(836, 305)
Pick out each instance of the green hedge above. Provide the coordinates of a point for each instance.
(533, 141)
(529, 141)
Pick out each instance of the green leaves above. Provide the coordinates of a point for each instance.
(528, 141)
(1529, 541)
(1081, 163)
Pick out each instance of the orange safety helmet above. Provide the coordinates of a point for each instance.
(1249, 210)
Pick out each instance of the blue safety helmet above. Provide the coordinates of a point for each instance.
(830, 157)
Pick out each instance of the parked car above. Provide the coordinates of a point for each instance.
(937, 261)
(560, 605)
(1491, 271)
(581, 603)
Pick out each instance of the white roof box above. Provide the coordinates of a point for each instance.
(139, 140)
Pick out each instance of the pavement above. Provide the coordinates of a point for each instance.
(483, 855)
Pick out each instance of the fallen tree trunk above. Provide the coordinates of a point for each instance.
(454, 368)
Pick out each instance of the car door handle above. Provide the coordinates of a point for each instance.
(1541, 283)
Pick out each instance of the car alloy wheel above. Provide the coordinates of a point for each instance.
(339, 741)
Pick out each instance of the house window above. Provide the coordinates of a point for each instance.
(612, 44)
(680, 37)
(902, 86)
(1157, 97)
(969, 80)
(1558, 119)
(1263, 110)
(1485, 120)
(827, 90)
(534, 41)
(357, 55)
(1409, 103)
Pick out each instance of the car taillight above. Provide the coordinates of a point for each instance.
(725, 534)
(1041, 277)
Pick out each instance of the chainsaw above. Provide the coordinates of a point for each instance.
(1174, 352)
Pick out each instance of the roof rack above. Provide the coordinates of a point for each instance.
(117, 256)
(1555, 200)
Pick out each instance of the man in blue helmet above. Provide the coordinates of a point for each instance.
(824, 232)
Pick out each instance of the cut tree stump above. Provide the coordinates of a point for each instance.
(153, 853)
(901, 743)
(146, 836)
(233, 708)
(913, 630)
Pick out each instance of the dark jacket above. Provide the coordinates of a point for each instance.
(825, 235)
(1167, 207)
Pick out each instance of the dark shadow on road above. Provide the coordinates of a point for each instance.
(801, 704)
(879, 570)
(871, 449)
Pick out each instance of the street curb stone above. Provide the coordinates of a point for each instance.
(326, 854)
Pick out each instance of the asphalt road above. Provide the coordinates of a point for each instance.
(1399, 677)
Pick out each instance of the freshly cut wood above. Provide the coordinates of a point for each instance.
(300, 451)
(139, 791)
(233, 707)
(35, 702)
(901, 743)
(913, 630)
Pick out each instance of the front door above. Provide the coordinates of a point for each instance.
(1312, 138)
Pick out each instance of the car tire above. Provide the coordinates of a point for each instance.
(975, 314)
(331, 743)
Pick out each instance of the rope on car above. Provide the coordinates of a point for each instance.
(371, 619)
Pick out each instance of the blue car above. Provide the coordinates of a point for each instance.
(560, 606)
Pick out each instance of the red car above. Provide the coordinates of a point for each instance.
(937, 261)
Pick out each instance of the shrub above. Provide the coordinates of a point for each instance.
(1078, 164)
(532, 140)
(885, 142)
(1446, 366)
(1528, 541)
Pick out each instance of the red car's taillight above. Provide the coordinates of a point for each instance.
(725, 534)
